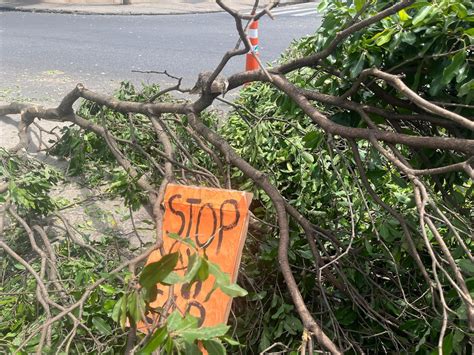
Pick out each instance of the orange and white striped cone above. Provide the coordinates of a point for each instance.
(251, 60)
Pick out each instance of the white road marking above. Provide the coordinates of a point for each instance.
(294, 7)
(293, 10)
(307, 13)
(303, 9)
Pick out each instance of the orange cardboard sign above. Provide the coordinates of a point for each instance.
(217, 221)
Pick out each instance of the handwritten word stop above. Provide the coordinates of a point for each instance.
(217, 221)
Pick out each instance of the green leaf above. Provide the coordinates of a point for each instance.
(422, 341)
(448, 344)
(419, 18)
(156, 272)
(466, 88)
(173, 321)
(108, 289)
(203, 272)
(356, 69)
(461, 312)
(322, 5)
(223, 282)
(187, 241)
(136, 305)
(230, 341)
(155, 341)
(408, 37)
(460, 10)
(191, 349)
(451, 70)
(348, 119)
(221, 277)
(386, 233)
(19, 266)
(204, 333)
(7, 300)
(346, 316)
(466, 265)
(457, 341)
(359, 4)
(172, 279)
(470, 32)
(436, 84)
(307, 157)
(385, 38)
(194, 263)
(312, 139)
(214, 347)
(169, 345)
(123, 312)
(462, 73)
(132, 306)
(416, 79)
(233, 290)
(403, 15)
(178, 323)
(101, 325)
(150, 293)
(116, 310)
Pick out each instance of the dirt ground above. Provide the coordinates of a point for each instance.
(90, 213)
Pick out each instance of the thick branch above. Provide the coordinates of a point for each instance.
(398, 84)
(279, 203)
(301, 96)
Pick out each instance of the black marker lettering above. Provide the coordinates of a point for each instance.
(201, 309)
(186, 289)
(191, 201)
(214, 225)
(223, 227)
(178, 213)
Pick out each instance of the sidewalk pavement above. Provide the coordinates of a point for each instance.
(162, 7)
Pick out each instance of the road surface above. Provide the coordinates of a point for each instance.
(42, 56)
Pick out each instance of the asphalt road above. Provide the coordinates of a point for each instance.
(42, 56)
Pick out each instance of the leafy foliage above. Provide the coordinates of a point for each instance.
(316, 173)
(29, 183)
(110, 308)
(20, 311)
(116, 304)
(175, 332)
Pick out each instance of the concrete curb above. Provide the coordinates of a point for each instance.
(102, 13)
(124, 12)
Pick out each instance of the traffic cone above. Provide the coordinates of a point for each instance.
(251, 60)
